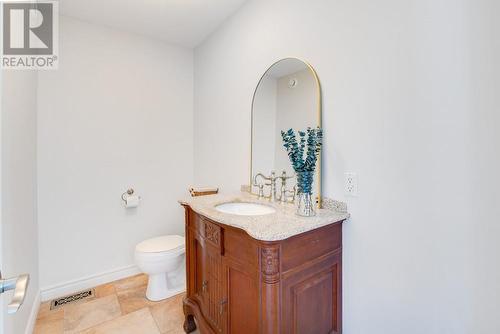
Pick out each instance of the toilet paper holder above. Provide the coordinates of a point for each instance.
(129, 192)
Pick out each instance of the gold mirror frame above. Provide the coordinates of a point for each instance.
(319, 115)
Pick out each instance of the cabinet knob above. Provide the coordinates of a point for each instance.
(204, 286)
(221, 305)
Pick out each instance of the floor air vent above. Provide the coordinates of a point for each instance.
(71, 299)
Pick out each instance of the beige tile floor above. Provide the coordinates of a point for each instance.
(119, 307)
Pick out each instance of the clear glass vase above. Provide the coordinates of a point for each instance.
(305, 205)
(305, 202)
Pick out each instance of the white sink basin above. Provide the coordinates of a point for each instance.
(245, 209)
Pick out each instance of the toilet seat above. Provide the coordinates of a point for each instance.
(166, 243)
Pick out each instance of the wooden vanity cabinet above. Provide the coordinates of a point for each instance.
(237, 284)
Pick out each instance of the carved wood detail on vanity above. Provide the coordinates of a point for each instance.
(212, 233)
(270, 263)
(239, 285)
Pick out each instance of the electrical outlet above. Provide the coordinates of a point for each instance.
(351, 184)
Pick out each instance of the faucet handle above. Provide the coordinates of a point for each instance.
(285, 177)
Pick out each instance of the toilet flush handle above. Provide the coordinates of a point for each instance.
(20, 286)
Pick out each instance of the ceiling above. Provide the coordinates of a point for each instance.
(182, 22)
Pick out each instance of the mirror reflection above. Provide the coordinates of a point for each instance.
(287, 96)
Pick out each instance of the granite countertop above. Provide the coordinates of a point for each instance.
(280, 225)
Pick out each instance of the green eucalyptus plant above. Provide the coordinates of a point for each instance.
(303, 161)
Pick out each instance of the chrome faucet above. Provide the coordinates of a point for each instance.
(283, 198)
(284, 191)
(272, 182)
(260, 185)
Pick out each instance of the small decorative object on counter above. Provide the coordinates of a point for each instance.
(304, 164)
(203, 191)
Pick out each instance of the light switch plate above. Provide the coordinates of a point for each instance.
(351, 184)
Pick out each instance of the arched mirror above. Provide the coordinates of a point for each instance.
(288, 96)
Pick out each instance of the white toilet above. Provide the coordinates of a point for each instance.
(163, 260)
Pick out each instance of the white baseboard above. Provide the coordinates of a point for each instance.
(88, 282)
(30, 326)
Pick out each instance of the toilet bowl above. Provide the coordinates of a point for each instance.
(163, 260)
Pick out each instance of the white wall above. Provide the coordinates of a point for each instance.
(18, 223)
(410, 104)
(117, 113)
(482, 146)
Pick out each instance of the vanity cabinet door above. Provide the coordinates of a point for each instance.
(215, 311)
(201, 273)
(242, 308)
(312, 299)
